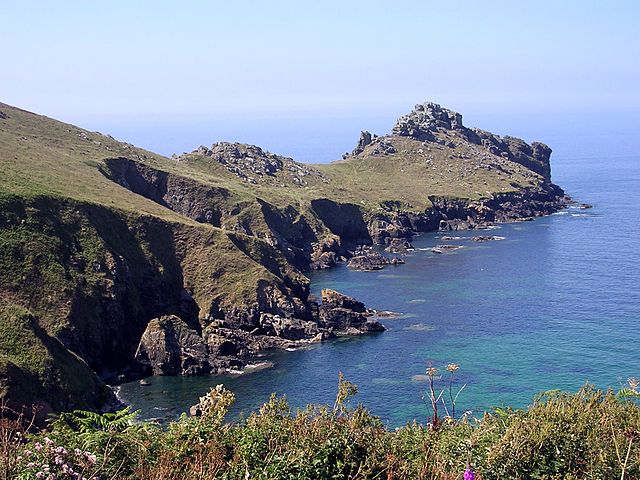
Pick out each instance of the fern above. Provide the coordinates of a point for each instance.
(86, 422)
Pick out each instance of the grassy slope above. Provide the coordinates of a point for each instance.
(77, 249)
(44, 156)
(40, 157)
(36, 368)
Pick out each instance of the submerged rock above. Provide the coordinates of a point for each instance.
(397, 245)
(486, 238)
(445, 248)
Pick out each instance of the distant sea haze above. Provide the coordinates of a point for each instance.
(553, 305)
(324, 138)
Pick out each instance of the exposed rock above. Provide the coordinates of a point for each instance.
(254, 165)
(333, 299)
(445, 248)
(3, 116)
(584, 206)
(382, 146)
(425, 119)
(363, 141)
(346, 315)
(325, 254)
(367, 260)
(169, 347)
(428, 119)
(397, 245)
(486, 238)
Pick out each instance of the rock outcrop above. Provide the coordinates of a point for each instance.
(428, 119)
(367, 259)
(252, 164)
(169, 347)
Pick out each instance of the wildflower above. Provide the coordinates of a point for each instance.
(91, 458)
(78, 452)
(38, 447)
(453, 367)
(60, 450)
(39, 475)
(432, 371)
(634, 383)
(469, 475)
(48, 441)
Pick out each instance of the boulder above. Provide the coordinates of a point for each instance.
(363, 141)
(397, 245)
(486, 238)
(169, 347)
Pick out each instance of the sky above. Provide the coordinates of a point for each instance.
(230, 67)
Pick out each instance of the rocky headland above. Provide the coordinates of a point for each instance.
(120, 263)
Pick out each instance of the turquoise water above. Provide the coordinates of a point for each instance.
(552, 306)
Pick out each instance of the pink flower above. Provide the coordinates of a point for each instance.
(469, 475)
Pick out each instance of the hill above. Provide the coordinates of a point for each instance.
(127, 263)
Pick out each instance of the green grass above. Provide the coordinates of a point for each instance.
(44, 156)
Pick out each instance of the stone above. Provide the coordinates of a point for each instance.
(363, 141)
(368, 262)
(397, 245)
(445, 248)
(486, 238)
(169, 347)
(425, 120)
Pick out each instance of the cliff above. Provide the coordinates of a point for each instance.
(126, 262)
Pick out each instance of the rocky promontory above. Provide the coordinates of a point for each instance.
(193, 264)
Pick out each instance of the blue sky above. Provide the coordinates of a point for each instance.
(135, 62)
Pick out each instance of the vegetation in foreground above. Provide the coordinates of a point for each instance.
(590, 434)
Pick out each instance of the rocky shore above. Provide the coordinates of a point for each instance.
(169, 347)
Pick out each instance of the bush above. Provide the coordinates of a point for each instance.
(590, 434)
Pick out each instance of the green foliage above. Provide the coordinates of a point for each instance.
(587, 435)
(117, 440)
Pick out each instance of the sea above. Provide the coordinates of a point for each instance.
(553, 305)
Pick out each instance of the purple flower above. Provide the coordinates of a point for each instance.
(469, 475)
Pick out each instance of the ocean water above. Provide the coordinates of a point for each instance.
(554, 305)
